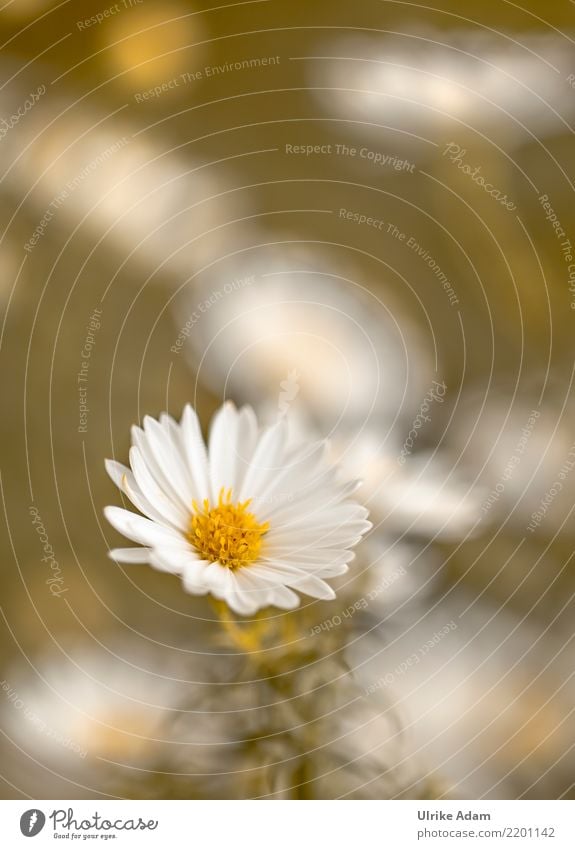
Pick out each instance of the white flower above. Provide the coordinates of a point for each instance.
(249, 521)
(292, 316)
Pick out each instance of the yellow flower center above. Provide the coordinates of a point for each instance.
(227, 533)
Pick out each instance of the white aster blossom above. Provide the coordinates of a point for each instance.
(249, 520)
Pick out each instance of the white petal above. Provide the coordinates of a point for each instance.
(157, 468)
(161, 565)
(247, 439)
(309, 503)
(264, 592)
(174, 439)
(332, 571)
(333, 516)
(314, 587)
(306, 557)
(284, 598)
(116, 471)
(295, 473)
(251, 593)
(266, 463)
(328, 567)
